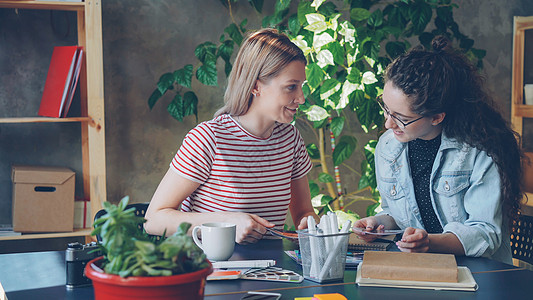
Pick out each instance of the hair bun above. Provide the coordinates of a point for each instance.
(440, 44)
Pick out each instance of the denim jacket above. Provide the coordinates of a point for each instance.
(465, 193)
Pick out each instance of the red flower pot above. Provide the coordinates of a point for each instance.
(186, 286)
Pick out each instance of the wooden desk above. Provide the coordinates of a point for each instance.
(41, 275)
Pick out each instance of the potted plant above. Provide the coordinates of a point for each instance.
(136, 265)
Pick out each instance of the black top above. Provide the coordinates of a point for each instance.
(422, 154)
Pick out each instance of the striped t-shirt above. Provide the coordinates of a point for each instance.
(240, 172)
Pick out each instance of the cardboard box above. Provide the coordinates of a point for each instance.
(43, 199)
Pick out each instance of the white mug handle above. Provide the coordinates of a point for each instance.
(195, 236)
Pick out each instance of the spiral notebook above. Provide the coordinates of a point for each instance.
(380, 244)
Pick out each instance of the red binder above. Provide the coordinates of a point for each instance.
(73, 84)
(61, 79)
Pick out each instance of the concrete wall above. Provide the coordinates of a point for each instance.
(143, 39)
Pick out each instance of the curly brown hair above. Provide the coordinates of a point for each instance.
(444, 80)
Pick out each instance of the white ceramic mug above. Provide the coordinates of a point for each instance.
(528, 94)
(218, 240)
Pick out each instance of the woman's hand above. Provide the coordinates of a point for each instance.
(414, 240)
(368, 224)
(303, 224)
(250, 228)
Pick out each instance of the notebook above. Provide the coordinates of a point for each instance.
(380, 244)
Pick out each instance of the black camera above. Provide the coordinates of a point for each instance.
(77, 256)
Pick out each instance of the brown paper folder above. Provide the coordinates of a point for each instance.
(409, 266)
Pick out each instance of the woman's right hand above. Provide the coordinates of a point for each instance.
(250, 228)
(367, 224)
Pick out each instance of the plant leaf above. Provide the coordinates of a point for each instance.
(294, 24)
(205, 51)
(190, 104)
(371, 209)
(420, 14)
(156, 95)
(338, 52)
(325, 178)
(376, 18)
(314, 74)
(313, 188)
(304, 8)
(225, 50)
(395, 49)
(207, 73)
(312, 150)
(233, 31)
(257, 5)
(175, 108)
(316, 113)
(359, 14)
(344, 149)
(337, 124)
(330, 87)
(165, 82)
(183, 76)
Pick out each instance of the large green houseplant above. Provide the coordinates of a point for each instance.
(348, 45)
(135, 264)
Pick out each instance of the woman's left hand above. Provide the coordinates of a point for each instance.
(414, 240)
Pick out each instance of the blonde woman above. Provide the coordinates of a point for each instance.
(247, 165)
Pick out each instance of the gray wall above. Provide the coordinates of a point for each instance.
(143, 39)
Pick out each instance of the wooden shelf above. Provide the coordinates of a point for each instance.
(43, 120)
(523, 111)
(77, 232)
(52, 5)
(518, 109)
(91, 82)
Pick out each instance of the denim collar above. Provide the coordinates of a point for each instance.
(392, 148)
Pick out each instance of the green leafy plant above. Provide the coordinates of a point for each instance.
(130, 251)
(348, 49)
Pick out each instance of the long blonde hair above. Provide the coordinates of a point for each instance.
(262, 56)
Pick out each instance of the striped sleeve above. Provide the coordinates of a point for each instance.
(194, 158)
(302, 162)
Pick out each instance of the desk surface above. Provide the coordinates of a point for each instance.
(41, 275)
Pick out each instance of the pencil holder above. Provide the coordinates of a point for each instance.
(323, 256)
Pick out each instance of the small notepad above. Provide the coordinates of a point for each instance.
(357, 244)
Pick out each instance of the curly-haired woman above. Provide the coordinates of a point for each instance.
(449, 166)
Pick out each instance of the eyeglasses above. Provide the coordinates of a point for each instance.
(387, 113)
